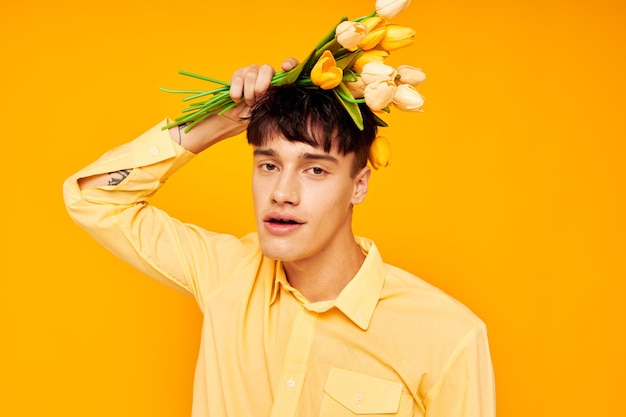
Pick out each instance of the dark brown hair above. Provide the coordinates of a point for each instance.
(312, 116)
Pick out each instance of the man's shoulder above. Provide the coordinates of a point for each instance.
(423, 300)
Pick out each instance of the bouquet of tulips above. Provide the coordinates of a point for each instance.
(349, 61)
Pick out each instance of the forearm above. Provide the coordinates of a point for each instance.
(205, 134)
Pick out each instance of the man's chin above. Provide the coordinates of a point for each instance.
(282, 251)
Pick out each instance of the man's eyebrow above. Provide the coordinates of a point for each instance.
(305, 155)
(264, 152)
(319, 156)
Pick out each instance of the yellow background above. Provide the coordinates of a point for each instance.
(507, 192)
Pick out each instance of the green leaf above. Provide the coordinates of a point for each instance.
(349, 76)
(352, 108)
(380, 122)
(347, 61)
(330, 36)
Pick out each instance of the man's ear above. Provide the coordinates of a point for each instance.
(361, 183)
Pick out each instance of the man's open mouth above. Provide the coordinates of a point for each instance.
(282, 221)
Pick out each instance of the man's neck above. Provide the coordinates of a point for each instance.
(323, 277)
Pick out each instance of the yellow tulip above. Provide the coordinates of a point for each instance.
(397, 37)
(350, 34)
(374, 71)
(377, 55)
(407, 98)
(380, 152)
(410, 75)
(325, 73)
(391, 8)
(379, 94)
(376, 29)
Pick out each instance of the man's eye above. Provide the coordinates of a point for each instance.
(268, 167)
(317, 171)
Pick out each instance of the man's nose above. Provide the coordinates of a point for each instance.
(286, 190)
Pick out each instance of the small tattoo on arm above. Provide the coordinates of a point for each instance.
(180, 136)
(118, 176)
(180, 129)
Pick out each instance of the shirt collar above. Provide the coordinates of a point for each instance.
(358, 299)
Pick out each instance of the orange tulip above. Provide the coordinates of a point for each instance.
(326, 74)
(377, 55)
(376, 29)
(380, 152)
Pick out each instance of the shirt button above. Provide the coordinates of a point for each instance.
(154, 151)
(358, 400)
(291, 383)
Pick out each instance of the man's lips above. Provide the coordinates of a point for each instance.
(285, 218)
(281, 223)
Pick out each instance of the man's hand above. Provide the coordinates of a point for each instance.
(249, 83)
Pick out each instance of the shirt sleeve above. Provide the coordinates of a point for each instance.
(466, 388)
(121, 219)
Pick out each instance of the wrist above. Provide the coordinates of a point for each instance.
(208, 132)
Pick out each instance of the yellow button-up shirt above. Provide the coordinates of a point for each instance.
(390, 344)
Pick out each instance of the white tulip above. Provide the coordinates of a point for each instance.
(375, 71)
(379, 94)
(391, 8)
(410, 75)
(407, 98)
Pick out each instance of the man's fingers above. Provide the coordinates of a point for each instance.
(289, 64)
(263, 81)
(252, 81)
(239, 80)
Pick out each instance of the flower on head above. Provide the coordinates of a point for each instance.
(356, 88)
(397, 37)
(373, 55)
(391, 8)
(380, 152)
(410, 75)
(326, 74)
(374, 71)
(407, 98)
(379, 94)
(349, 61)
(376, 28)
(349, 34)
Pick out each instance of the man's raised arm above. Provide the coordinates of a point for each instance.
(108, 198)
(247, 85)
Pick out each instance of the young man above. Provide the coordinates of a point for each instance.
(301, 318)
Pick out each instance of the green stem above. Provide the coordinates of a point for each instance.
(360, 19)
(167, 90)
(228, 107)
(350, 99)
(202, 77)
(205, 93)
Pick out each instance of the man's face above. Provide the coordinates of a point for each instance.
(303, 200)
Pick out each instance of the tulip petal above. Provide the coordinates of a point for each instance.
(391, 8)
(380, 152)
(325, 72)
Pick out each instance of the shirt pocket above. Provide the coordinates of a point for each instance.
(348, 393)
